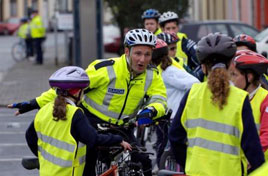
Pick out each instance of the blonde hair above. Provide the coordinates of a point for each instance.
(59, 109)
(218, 83)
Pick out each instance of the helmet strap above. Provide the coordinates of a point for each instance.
(129, 61)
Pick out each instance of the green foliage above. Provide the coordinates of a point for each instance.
(127, 13)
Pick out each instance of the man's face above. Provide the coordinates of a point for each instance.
(172, 49)
(140, 56)
(171, 27)
(237, 77)
(151, 25)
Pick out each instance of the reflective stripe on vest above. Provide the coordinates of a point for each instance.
(211, 145)
(106, 101)
(59, 144)
(256, 106)
(215, 126)
(55, 160)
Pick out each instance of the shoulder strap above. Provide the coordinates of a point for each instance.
(104, 64)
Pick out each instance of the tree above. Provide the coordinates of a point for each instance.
(127, 13)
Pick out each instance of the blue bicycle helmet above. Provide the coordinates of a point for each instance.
(150, 13)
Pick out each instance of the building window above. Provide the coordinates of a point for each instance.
(13, 8)
(35, 4)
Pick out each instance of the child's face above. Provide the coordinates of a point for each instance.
(171, 27)
(151, 25)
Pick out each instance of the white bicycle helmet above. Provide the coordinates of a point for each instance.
(69, 77)
(168, 16)
(140, 37)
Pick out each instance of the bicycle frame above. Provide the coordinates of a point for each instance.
(112, 171)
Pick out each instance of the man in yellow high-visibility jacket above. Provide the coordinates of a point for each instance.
(118, 87)
(38, 33)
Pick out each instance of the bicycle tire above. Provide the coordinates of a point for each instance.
(167, 161)
(18, 52)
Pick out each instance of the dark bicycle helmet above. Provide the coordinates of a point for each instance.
(24, 20)
(150, 13)
(160, 50)
(139, 37)
(245, 40)
(70, 77)
(249, 60)
(215, 48)
(169, 38)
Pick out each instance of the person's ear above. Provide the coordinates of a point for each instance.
(127, 51)
(204, 69)
(250, 77)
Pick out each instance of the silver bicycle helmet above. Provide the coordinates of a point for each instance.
(215, 48)
(140, 37)
(168, 16)
(69, 77)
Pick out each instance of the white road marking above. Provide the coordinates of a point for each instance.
(12, 144)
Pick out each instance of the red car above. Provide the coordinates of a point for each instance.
(111, 39)
(10, 26)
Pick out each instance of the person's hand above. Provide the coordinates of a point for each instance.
(145, 116)
(22, 107)
(126, 145)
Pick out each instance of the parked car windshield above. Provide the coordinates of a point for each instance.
(261, 35)
(241, 29)
(13, 20)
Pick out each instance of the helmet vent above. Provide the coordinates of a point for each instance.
(145, 38)
(218, 38)
(208, 42)
(131, 38)
(140, 38)
(71, 72)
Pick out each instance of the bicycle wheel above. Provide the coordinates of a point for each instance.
(18, 52)
(168, 162)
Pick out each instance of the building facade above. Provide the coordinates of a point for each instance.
(253, 12)
(21, 8)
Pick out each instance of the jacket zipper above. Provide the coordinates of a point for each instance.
(124, 105)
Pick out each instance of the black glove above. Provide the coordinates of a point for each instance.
(26, 106)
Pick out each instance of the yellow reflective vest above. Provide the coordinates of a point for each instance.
(261, 171)
(256, 106)
(37, 27)
(114, 95)
(58, 151)
(214, 135)
(24, 30)
(256, 102)
(180, 53)
(158, 31)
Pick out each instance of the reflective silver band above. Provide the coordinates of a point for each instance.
(82, 159)
(258, 126)
(55, 160)
(157, 99)
(109, 96)
(216, 146)
(55, 142)
(149, 79)
(215, 126)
